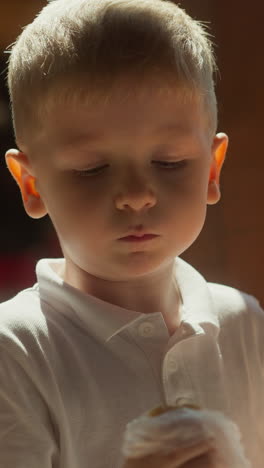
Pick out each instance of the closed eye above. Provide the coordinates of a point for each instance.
(87, 172)
(172, 164)
(163, 164)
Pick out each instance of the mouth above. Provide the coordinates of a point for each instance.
(142, 238)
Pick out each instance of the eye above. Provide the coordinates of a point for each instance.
(88, 172)
(164, 164)
(172, 164)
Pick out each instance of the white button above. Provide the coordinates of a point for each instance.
(146, 329)
(172, 364)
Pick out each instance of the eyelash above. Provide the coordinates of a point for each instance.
(164, 164)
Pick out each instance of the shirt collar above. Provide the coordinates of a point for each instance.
(198, 306)
(104, 320)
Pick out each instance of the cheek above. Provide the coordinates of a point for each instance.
(187, 204)
(70, 195)
(190, 189)
(74, 210)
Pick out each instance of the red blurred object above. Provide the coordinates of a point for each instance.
(17, 271)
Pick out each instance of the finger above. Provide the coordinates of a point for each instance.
(204, 461)
(151, 461)
(174, 460)
(182, 456)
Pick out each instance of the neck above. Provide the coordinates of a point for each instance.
(158, 293)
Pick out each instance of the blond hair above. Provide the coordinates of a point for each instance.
(97, 42)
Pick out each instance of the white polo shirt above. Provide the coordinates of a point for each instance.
(75, 369)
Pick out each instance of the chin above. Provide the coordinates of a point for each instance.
(140, 264)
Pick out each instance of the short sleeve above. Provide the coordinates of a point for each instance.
(27, 437)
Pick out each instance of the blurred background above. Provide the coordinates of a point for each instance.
(230, 249)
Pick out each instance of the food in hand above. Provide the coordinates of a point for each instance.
(164, 409)
(183, 430)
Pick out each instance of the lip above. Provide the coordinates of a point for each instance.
(138, 238)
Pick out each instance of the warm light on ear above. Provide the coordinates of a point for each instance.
(24, 175)
(15, 168)
(219, 158)
(212, 174)
(28, 180)
(31, 186)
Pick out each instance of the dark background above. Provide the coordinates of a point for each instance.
(230, 248)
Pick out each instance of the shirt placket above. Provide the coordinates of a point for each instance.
(192, 371)
(151, 336)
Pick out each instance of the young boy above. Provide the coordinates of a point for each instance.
(115, 120)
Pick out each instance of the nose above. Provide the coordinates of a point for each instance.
(135, 195)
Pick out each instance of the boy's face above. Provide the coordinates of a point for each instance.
(155, 153)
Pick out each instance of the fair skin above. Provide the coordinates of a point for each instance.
(156, 178)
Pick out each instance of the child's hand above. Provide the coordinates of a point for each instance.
(183, 437)
(199, 456)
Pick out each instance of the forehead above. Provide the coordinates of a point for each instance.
(140, 109)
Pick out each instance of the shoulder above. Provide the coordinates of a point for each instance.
(231, 303)
(22, 309)
(23, 324)
(33, 328)
(240, 315)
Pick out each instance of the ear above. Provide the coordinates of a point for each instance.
(219, 147)
(21, 169)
